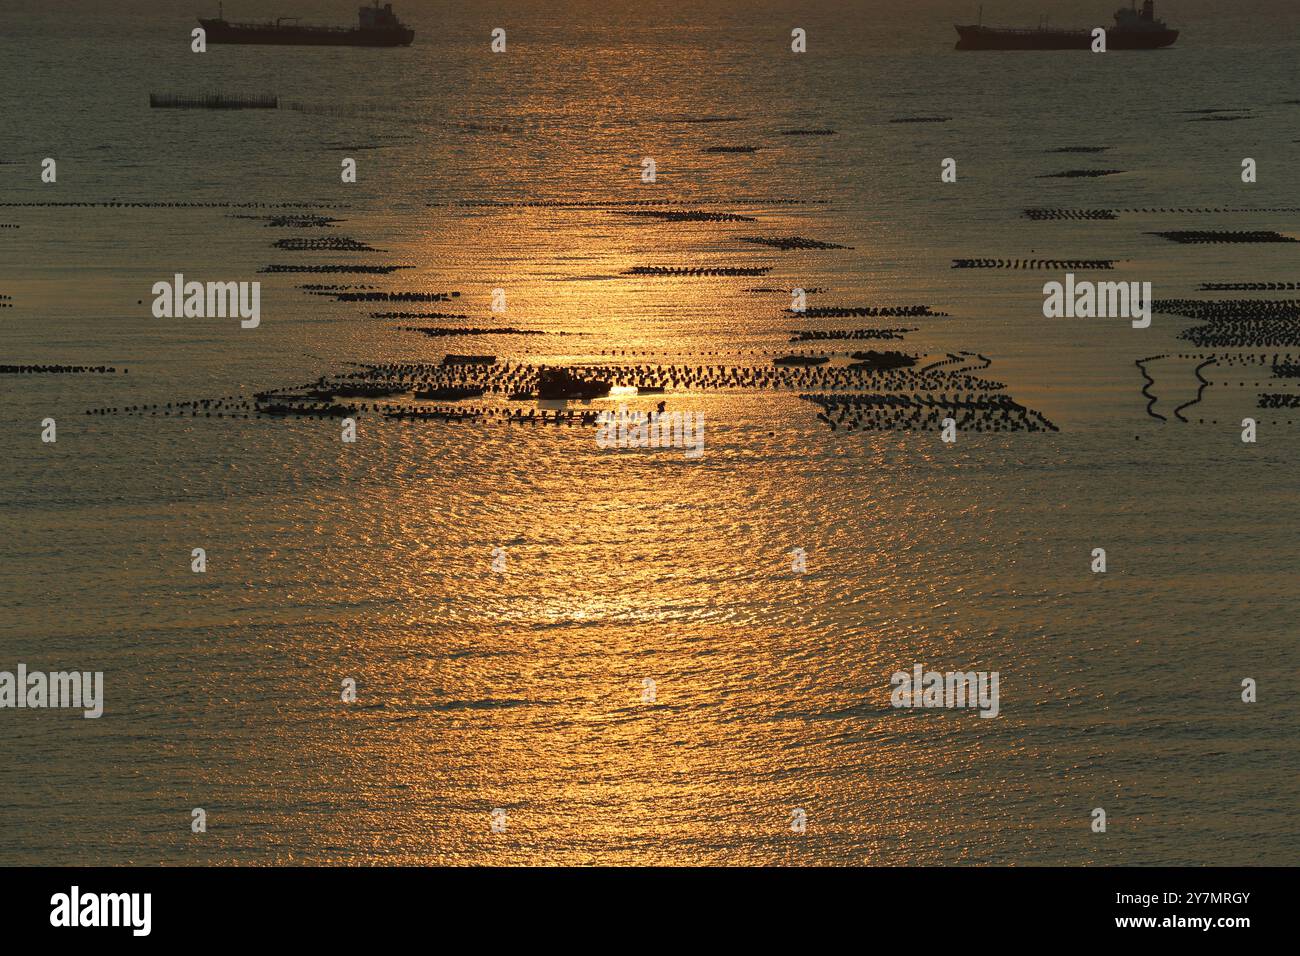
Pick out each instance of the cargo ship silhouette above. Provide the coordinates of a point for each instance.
(376, 26)
(1132, 31)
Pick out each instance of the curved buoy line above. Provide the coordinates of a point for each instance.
(1151, 399)
(1205, 383)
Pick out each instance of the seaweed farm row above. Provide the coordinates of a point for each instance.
(979, 412)
(1048, 213)
(879, 390)
(1237, 323)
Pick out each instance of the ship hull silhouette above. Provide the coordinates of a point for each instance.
(1133, 30)
(376, 26)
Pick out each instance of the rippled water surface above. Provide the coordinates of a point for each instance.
(522, 690)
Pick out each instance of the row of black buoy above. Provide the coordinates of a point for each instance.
(59, 370)
(1040, 214)
(327, 243)
(413, 315)
(1219, 310)
(305, 221)
(1249, 286)
(1081, 174)
(787, 243)
(822, 335)
(697, 271)
(866, 312)
(331, 287)
(1033, 263)
(611, 203)
(394, 296)
(506, 415)
(230, 402)
(355, 268)
(444, 331)
(686, 215)
(1201, 236)
(1244, 334)
(1277, 359)
(175, 205)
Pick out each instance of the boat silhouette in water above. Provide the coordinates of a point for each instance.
(376, 26)
(1133, 30)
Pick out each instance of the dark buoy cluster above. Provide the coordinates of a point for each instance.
(874, 361)
(1237, 323)
(213, 101)
(808, 360)
(562, 383)
(279, 410)
(1088, 214)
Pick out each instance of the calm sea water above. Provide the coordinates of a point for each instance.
(522, 690)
